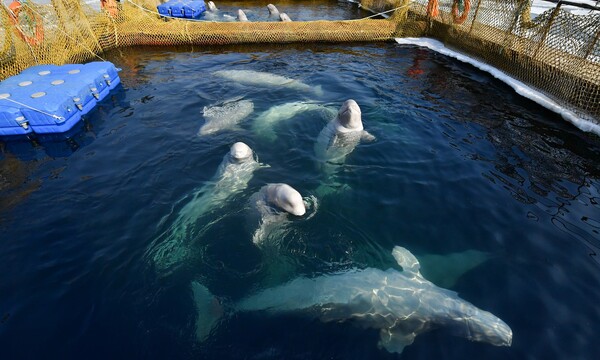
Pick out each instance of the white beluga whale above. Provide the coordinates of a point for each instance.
(284, 17)
(241, 16)
(337, 140)
(211, 6)
(400, 304)
(284, 197)
(273, 204)
(232, 176)
(264, 125)
(273, 10)
(264, 79)
(226, 115)
(342, 134)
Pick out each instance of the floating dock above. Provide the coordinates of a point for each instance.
(182, 9)
(50, 99)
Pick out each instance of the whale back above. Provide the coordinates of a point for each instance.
(225, 116)
(401, 305)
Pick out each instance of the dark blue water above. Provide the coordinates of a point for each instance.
(460, 162)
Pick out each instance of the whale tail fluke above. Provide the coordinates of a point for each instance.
(209, 309)
(447, 269)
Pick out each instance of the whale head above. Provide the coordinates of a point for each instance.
(272, 10)
(211, 6)
(479, 325)
(240, 152)
(286, 198)
(349, 116)
(242, 16)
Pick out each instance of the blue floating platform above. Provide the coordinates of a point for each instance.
(50, 99)
(182, 9)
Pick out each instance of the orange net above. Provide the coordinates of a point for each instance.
(557, 52)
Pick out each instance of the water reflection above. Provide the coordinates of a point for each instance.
(539, 158)
(15, 185)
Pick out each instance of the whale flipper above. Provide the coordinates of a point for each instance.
(208, 308)
(407, 260)
(395, 341)
(367, 136)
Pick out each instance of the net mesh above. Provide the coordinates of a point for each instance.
(557, 52)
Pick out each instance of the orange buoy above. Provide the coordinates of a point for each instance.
(29, 19)
(111, 7)
(457, 17)
(432, 8)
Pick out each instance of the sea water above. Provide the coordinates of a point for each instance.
(460, 162)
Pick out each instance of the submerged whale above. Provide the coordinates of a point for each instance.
(400, 304)
(272, 203)
(232, 177)
(264, 79)
(225, 115)
(264, 124)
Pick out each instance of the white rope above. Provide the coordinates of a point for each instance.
(384, 12)
(34, 109)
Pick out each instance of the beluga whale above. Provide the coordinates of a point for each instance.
(273, 204)
(265, 79)
(211, 6)
(273, 10)
(399, 304)
(284, 17)
(342, 134)
(232, 176)
(266, 122)
(241, 16)
(225, 115)
(337, 140)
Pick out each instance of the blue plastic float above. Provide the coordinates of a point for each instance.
(50, 99)
(182, 9)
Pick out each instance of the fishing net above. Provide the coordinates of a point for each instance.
(556, 52)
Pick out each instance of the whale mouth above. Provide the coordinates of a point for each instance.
(298, 210)
(349, 115)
